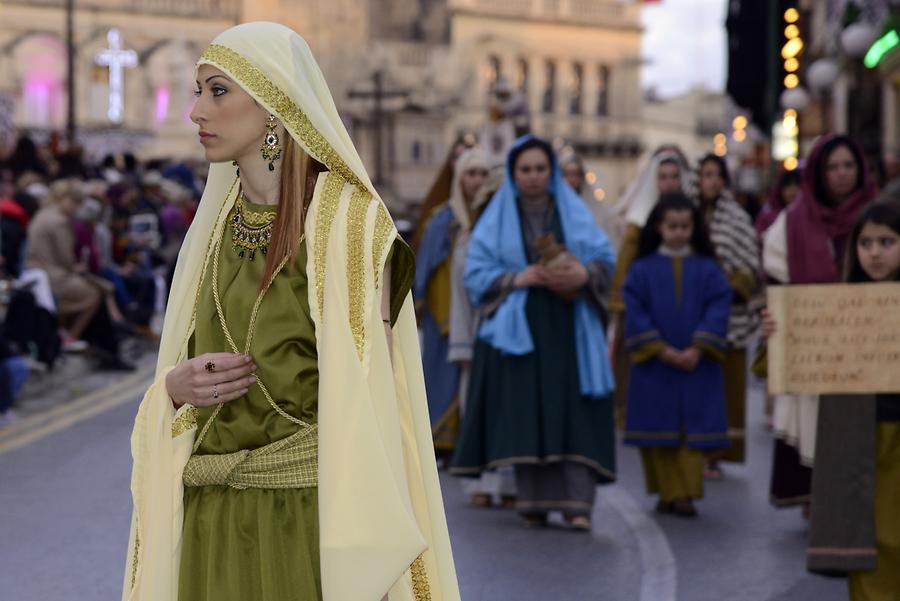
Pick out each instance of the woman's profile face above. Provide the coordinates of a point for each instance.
(532, 172)
(232, 125)
(841, 173)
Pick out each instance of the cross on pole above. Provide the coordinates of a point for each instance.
(116, 59)
(378, 94)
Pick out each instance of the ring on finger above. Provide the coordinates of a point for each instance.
(215, 391)
(210, 366)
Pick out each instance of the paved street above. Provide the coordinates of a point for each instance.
(64, 510)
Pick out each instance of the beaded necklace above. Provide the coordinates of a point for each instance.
(252, 231)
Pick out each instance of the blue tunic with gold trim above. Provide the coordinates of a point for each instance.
(679, 302)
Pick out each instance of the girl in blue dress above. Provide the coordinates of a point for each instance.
(677, 307)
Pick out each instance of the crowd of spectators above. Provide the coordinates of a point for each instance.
(87, 253)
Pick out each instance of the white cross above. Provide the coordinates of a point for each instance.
(116, 59)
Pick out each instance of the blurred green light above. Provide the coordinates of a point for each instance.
(881, 47)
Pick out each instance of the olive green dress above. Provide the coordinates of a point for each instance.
(260, 544)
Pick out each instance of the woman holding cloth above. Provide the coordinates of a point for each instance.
(284, 450)
(538, 268)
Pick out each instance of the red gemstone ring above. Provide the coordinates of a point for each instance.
(210, 366)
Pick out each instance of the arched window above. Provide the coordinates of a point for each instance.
(549, 86)
(603, 75)
(41, 64)
(577, 89)
(493, 70)
(522, 75)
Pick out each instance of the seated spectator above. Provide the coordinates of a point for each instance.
(82, 298)
(13, 374)
(31, 320)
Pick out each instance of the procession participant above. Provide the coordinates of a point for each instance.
(734, 241)
(805, 245)
(677, 309)
(538, 268)
(283, 450)
(433, 293)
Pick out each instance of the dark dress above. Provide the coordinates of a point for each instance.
(528, 410)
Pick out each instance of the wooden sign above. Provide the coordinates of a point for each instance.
(837, 338)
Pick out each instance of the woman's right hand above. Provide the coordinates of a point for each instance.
(190, 381)
(767, 326)
(533, 275)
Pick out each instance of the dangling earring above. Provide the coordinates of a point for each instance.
(237, 171)
(271, 148)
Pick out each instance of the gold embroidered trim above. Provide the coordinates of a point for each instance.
(134, 557)
(384, 225)
(328, 206)
(184, 422)
(356, 266)
(291, 462)
(209, 244)
(710, 337)
(648, 335)
(254, 217)
(294, 119)
(421, 589)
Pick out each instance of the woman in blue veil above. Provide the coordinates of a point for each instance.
(538, 268)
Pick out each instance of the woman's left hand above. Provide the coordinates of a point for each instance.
(568, 277)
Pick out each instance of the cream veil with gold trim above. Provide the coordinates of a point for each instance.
(382, 524)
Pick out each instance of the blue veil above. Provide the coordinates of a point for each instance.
(496, 248)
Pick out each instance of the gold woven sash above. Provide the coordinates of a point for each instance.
(291, 462)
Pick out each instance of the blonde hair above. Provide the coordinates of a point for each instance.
(64, 188)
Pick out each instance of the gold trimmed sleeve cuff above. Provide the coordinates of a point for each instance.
(645, 352)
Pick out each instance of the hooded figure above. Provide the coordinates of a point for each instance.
(317, 479)
(538, 269)
(806, 245)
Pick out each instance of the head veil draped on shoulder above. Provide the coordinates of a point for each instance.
(641, 196)
(381, 522)
(496, 249)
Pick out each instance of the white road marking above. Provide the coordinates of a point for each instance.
(38, 426)
(659, 574)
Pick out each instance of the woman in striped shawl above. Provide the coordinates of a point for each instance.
(734, 239)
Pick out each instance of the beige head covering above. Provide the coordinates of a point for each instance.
(382, 525)
(473, 158)
(642, 195)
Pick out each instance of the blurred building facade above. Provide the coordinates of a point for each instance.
(166, 37)
(569, 68)
(409, 76)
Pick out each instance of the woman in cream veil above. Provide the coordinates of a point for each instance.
(284, 451)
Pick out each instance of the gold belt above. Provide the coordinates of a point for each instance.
(291, 462)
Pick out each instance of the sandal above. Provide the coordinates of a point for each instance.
(684, 508)
(712, 471)
(535, 521)
(579, 523)
(482, 500)
(665, 507)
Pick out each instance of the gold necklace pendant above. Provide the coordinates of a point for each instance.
(252, 232)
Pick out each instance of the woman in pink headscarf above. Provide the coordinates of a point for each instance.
(784, 192)
(805, 245)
